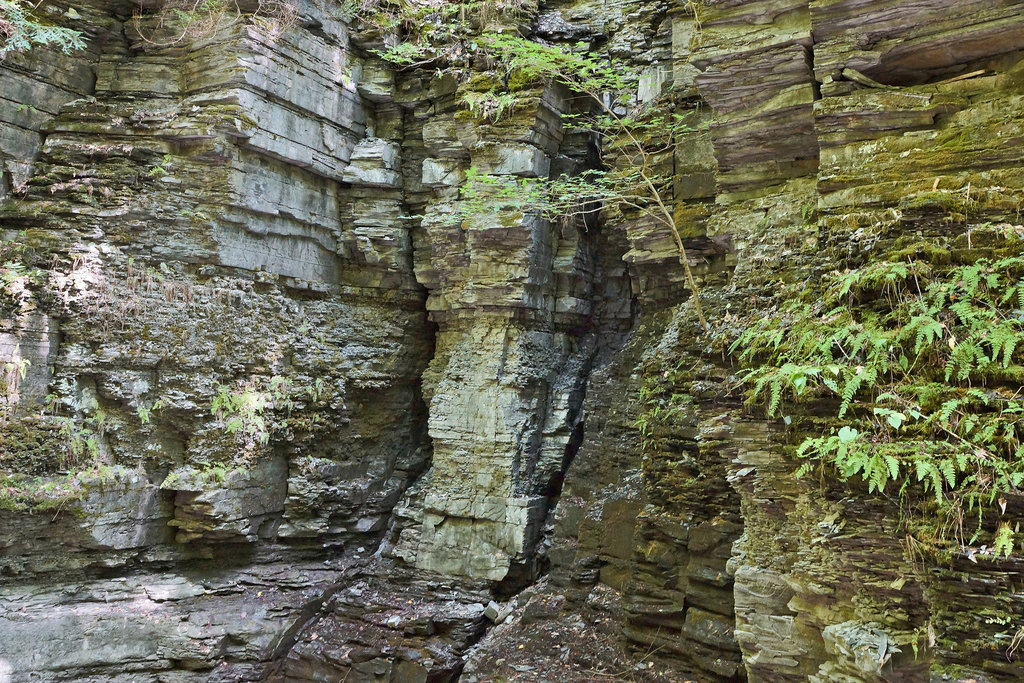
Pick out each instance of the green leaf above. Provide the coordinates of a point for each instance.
(1003, 543)
(848, 435)
(894, 466)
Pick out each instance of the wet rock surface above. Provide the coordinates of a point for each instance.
(454, 473)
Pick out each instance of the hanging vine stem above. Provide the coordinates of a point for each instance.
(585, 75)
(666, 216)
(563, 197)
(196, 19)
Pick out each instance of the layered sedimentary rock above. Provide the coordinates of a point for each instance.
(290, 413)
(518, 312)
(35, 89)
(818, 584)
(234, 336)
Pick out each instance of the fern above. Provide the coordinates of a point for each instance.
(904, 348)
(20, 30)
(850, 390)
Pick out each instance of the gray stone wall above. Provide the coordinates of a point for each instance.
(444, 473)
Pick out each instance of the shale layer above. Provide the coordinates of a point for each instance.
(283, 418)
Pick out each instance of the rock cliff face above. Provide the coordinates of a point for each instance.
(284, 418)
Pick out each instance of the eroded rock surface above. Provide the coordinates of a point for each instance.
(286, 418)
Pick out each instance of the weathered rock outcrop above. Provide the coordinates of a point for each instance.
(288, 415)
(238, 333)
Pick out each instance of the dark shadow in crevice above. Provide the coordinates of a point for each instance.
(900, 71)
